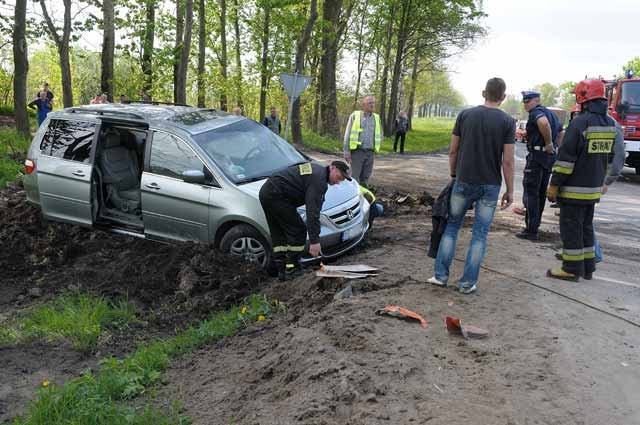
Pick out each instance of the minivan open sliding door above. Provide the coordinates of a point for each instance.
(65, 166)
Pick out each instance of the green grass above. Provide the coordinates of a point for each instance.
(428, 135)
(96, 398)
(12, 145)
(78, 318)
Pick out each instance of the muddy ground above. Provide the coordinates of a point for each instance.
(548, 359)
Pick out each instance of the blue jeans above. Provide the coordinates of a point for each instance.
(462, 195)
(596, 245)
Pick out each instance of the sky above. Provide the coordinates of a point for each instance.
(531, 42)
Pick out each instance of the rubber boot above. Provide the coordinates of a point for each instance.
(292, 266)
(281, 268)
(558, 273)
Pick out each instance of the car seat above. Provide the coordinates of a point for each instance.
(121, 173)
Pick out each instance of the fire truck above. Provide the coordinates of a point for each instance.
(623, 95)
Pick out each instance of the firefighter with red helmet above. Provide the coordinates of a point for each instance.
(578, 179)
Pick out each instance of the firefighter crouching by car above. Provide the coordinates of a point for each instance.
(578, 177)
(282, 194)
(377, 209)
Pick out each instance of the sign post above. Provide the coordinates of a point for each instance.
(294, 85)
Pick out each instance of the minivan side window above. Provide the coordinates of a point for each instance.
(70, 140)
(171, 157)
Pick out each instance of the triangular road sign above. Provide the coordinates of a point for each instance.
(294, 84)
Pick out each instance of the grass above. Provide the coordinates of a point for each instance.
(13, 146)
(78, 318)
(428, 135)
(93, 399)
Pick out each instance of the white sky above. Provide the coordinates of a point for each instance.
(536, 41)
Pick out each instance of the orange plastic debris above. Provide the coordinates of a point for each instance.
(403, 313)
(454, 326)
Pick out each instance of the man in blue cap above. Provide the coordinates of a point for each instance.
(544, 131)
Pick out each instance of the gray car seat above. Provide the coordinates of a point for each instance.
(120, 172)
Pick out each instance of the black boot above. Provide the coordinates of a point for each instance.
(281, 267)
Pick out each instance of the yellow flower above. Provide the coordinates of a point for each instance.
(275, 302)
(45, 383)
(260, 318)
(243, 310)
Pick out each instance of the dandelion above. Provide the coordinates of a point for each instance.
(243, 310)
(260, 318)
(45, 384)
(275, 302)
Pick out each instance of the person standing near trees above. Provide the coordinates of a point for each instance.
(272, 121)
(45, 88)
(43, 105)
(362, 140)
(400, 127)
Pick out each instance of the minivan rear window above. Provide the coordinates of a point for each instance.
(70, 140)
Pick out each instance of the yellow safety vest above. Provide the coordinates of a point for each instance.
(369, 196)
(356, 129)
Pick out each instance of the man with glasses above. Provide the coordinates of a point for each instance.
(543, 132)
(362, 140)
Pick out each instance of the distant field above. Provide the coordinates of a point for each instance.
(428, 135)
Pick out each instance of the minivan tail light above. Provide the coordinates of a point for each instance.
(29, 165)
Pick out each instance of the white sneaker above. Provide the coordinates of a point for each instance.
(468, 289)
(437, 282)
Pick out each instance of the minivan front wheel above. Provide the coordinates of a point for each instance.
(245, 241)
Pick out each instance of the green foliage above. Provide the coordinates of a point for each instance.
(78, 318)
(13, 145)
(92, 398)
(633, 64)
(428, 135)
(513, 106)
(549, 94)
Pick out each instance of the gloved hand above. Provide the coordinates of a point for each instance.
(552, 193)
(605, 188)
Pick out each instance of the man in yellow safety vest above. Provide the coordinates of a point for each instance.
(362, 140)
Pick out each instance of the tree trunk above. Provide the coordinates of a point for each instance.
(20, 68)
(202, 40)
(361, 54)
(147, 45)
(329, 102)
(386, 59)
(315, 118)
(264, 62)
(184, 53)
(236, 28)
(414, 82)
(62, 45)
(223, 53)
(397, 68)
(108, 40)
(178, 47)
(303, 43)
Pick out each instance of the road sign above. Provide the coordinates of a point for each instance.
(294, 84)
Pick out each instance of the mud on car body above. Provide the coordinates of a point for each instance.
(174, 173)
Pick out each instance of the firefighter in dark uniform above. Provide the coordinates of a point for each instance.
(543, 132)
(578, 176)
(282, 194)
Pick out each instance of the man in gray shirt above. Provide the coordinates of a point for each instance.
(362, 140)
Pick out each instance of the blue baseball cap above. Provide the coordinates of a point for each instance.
(529, 94)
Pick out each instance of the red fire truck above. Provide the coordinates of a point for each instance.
(624, 106)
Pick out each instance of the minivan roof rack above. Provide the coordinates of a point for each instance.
(106, 112)
(153, 102)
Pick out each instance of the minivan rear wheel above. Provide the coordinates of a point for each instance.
(246, 242)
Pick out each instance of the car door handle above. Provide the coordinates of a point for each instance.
(152, 186)
(78, 173)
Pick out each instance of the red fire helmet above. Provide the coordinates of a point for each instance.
(588, 90)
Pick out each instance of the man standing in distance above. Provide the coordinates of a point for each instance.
(272, 121)
(543, 133)
(362, 140)
(482, 142)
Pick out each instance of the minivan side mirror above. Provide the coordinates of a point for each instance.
(193, 176)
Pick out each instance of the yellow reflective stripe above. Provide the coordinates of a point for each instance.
(378, 135)
(366, 192)
(577, 257)
(296, 248)
(562, 170)
(589, 255)
(290, 266)
(606, 135)
(582, 196)
(280, 248)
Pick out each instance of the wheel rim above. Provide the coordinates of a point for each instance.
(250, 249)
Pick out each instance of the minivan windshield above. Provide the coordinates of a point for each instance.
(247, 151)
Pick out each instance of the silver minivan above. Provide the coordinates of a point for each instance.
(174, 173)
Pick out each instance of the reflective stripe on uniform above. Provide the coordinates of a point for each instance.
(285, 248)
(600, 132)
(572, 254)
(589, 252)
(280, 248)
(296, 248)
(563, 167)
(582, 193)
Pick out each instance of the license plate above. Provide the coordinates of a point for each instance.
(351, 233)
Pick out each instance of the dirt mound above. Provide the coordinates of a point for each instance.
(182, 281)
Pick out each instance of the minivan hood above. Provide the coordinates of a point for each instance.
(336, 194)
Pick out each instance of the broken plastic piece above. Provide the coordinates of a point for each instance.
(455, 326)
(353, 268)
(402, 313)
(346, 275)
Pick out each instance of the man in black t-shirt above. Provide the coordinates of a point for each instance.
(482, 144)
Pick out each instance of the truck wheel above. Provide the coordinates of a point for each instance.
(245, 241)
